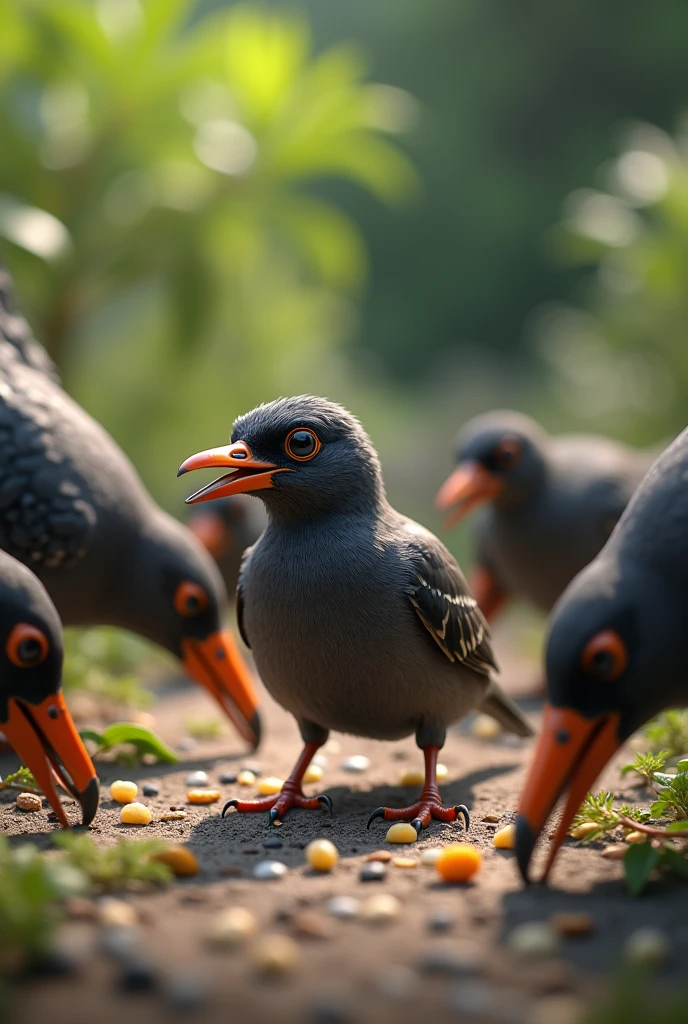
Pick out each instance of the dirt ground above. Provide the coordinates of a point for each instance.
(354, 971)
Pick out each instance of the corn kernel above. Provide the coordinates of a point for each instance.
(124, 792)
(485, 728)
(583, 830)
(401, 832)
(29, 802)
(135, 814)
(636, 837)
(246, 778)
(322, 855)
(381, 908)
(179, 859)
(404, 862)
(412, 778)
(458, 862)
(232, 926)
(203, 796)
(614, 851)
(269, 785)
(313, 773)
(505, 838)
(276, 955)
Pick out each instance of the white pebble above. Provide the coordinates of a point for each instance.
(430, 857)
(647, 947)
(196, 779)
(483, 727)
(381, 908)
(320, 760)
(355, 763)
(268, 870)
(113, 913)
(232, 926)
(535, 940)
(343, 907)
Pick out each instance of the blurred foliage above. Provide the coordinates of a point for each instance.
(130, 743)
(203, 728)
(108, 663)
(22, 780)
(115, 867)
(669, 732)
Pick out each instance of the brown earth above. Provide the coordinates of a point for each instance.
(342, 976)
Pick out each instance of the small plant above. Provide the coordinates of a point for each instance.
(203, 728)
(673, 794)
(668, 732)
(139, 741)
(115, 867)
(21, 780)
(646, 765)
(106, 662)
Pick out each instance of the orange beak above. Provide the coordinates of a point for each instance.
(216, 664)
(248, 474)
(469, 486)
(570, 754)
(45, 738)
(212, 531)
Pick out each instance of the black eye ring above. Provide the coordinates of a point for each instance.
(302, 444)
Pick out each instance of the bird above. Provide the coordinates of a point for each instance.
(616, 651)
(33, 714)
(359, 619)
(549, 504)
(226, 529)
(73, 508)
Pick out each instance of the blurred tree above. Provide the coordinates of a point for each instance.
(146, 147)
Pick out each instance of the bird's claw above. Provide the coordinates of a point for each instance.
(326, 801)
(418, 825)
(461, 811)
(230, 803)
(273, 814)
(379, 812)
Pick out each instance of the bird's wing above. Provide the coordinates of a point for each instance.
(16, 334)
(240, 596)
(443, 602)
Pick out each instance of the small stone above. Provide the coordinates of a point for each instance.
(150, 789)
(380, 855)
(272, 843)
(120, 943)
(574, 923)
(397, 982)
(245, 778)
(269, 870)
(186, 744)
(311, 925)
(29, 802)
(137, 976)
(194, 779)
(203, 796)
(232, 927)
(355, 763)
(372, 872)
(320, 760)
(135, 814)
(614, 851)
(228, 778)
(343, 907)
(330, 1011)
(269, 786)
(186, 993)
(404, 862)
(313, 773)
(231, 871)
(322, 855)
(647, 947)
(492, 818)
(276, 955)
(401, 832)
(113, 913)
(173, 816)
(79, 908)
(441, 920)
(483, 727)
(535, 940)
(457, 960)
(505, 838)
(381, 908)
(429, 858)
(124, 792)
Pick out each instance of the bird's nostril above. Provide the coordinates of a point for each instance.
(563, 736)
(238, 455)
(52, 711)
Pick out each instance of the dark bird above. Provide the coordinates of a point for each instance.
(33, 713)
(548, 504)
(616, 651)
(226, 529)
(73, 509)
(358, 618)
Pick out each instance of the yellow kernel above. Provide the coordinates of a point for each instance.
(404, 862)
(203, 796)
(505, 838)
(276, 955)
(441, 772)
(232, 926)
(179, 859)
(313, 773)
(269, 785)
(114, 913)
(381, 908)
(636, 837)
(485, 728)
(580, 831)
(135, 814)
(412, 778)
(246, 778)
(430, 857)
(322, 855)
(614, 851)
(29, 802)
(124, 792)
(458, 862)
(401, 832)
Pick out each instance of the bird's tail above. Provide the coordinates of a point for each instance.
(506, 712)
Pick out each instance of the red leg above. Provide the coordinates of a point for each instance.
(290, 796)
(487, 592)
(429, 805)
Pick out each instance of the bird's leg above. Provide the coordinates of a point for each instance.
(429, 805)
(291, 794)
(489, 594)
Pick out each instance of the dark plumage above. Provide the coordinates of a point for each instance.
(33, 714)
(358, 618)
(225, 529)
(549, 503)
(73, 508)
(617, 648)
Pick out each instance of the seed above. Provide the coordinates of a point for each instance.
(613, 852)
(492, 818)
(203, 796)
(313, 773)
(355, 763)
(114, 913)
(381, 908)
(404, 862)
(276, 955)
(401, 832)
(647, 947)
(194, 779)
(269, 785)
(29, 802)
(179, 859)
(412, 778)
(343, 907)
(311, 925)
(441, 772)
(246, 778)
(232, 926)
(441, 920)
(484, 727)
(269, 870)
(636, 837)
(135, 814)
(430, 857)
(382, 855)
(573, 923)
(584, 829)
(458, 862)
(322, 855)
(505, 838)
(124, 792)
(373, 872)
(150, 789)
(228, 778)
(535, 940)
(173, 816)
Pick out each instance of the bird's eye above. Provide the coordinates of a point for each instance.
(605, 656)
(27, 646)
(508, 452)
(302, 444)
(190, 599)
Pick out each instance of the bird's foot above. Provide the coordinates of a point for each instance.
(277, 806)
(421, 813)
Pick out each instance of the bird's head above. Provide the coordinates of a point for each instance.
(611, 663)
(33, 713)
(177, 599)
(305, 457)
(499, 458)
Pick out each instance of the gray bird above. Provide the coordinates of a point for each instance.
(549, 504)
(359, 619)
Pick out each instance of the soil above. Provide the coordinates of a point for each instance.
(345, 974)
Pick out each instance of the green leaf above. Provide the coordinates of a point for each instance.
(678, 826)
(676, 862)
(658, 808)
(92, 735)
(640, 860)
(682, 766)
(145, 740)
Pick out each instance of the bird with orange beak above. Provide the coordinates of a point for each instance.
(33, 713)
(616, 651)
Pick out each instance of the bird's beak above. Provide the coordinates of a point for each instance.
(248, 474)
(213, 533)
(45, 738)
(469, 485)
(216, 664)
(570, 754)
